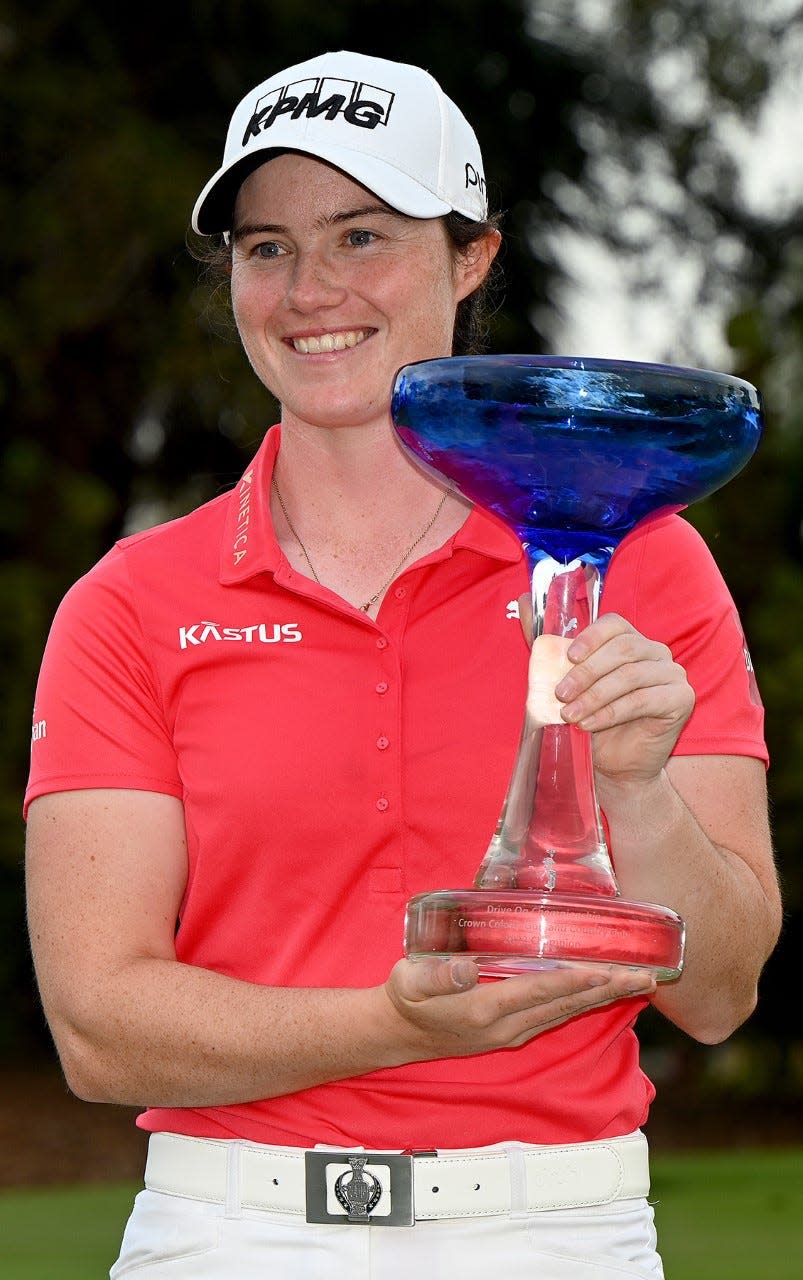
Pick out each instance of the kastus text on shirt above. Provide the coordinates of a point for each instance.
(258, 633)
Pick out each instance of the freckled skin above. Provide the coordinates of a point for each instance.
(389, 276)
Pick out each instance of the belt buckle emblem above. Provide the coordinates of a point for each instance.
(373, 1187)
(359, 1194)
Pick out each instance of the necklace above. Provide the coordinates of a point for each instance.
(363, 607)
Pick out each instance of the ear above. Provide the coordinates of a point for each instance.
(474, 263)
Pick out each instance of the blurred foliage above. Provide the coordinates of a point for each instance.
(126, 400)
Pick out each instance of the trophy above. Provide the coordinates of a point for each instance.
(571, 453)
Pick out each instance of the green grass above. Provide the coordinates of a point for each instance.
(730, 1215)
(721, 1216)
(70, 1233)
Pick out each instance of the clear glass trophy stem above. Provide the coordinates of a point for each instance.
(549, 834)
(545, 895)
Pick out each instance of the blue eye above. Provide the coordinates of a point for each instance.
(267, 249)
(360, 237)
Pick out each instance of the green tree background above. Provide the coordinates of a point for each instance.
(126, 400)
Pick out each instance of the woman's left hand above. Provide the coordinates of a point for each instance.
(630, 693)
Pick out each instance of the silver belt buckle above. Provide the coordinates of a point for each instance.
(369, 1187)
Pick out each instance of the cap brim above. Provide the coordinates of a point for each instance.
(214, 209)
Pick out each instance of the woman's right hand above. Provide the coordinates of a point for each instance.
(448, 1012)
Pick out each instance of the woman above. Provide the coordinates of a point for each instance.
(263, 729)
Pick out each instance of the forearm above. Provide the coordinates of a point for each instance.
(732, 916)
(161, 1033)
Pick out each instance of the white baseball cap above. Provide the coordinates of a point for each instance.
(388, 125)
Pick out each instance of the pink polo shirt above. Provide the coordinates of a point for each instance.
(331, 766)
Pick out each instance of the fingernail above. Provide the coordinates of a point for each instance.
(597, 980)
(636, 988)
(463, 973)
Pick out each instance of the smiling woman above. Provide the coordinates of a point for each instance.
(332, 291)
(251, 764)
(474, 312)
(331, 265)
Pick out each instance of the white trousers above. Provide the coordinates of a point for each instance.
(173, 1238)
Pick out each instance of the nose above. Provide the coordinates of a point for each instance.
(314, 283)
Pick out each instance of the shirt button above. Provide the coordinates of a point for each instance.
(382, 804)
(381, 643)
(383, 743)
(382, 687)
(400, 593)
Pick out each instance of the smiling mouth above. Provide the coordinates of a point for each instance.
(325, 342)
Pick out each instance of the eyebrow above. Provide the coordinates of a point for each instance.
(246, 229)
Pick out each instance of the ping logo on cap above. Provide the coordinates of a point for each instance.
(362, 105)
(474, 178)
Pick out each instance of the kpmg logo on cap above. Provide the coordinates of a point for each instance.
(364, 106)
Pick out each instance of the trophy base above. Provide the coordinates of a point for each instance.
(516, 931)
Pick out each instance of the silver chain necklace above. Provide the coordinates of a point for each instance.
(363, 607)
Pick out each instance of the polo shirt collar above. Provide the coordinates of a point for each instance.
(487, 534)
(249, 544)
(250, 547)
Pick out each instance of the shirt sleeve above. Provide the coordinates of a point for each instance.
(664, 579)
(98, 716)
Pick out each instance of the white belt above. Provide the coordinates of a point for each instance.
(386, 1188)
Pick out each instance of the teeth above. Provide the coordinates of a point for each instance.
(328, 342)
